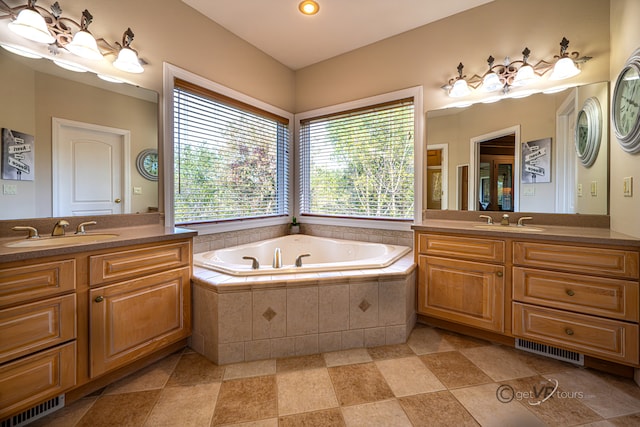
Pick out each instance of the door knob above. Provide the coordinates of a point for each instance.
(117, 200)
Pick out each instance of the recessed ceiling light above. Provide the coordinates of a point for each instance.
(309, 7)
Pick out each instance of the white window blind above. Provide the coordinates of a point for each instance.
(231, 158)
(359, 163)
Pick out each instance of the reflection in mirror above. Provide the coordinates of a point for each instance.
(570, 186)
(42, 100)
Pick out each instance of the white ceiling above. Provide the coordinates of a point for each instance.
(277, 27)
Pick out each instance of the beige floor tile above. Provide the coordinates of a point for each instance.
(436, 409)
(462, 341)
(327, 418)
(67, 416)
(361, 383)
(187, 406)
(408, 375)
(378, 414)
(193, 369)
(603, 423)
(305, 391)
(425, 340)
(128, 409)
(151, 378)
(299, 363)
(604, 398)
(454, 370)
(626, 421)
(482, 404)
(246, 399)
(270, 422)
(562, 409)
(543, 365)
(498, 362)
(347, 357)
(250, 369)
(390, 351)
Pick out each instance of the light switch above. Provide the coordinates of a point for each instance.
(137, 190)
(9, 189)
(594, 188)
(579, 190)
(627, 186)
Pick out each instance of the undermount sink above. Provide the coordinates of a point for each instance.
(70, 240)
(509, 228)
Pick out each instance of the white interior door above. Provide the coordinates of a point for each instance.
(90, 169)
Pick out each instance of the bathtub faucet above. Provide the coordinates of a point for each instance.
(299, 259)
(254, 262)
(277, 258)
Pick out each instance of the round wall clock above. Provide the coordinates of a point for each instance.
(625, 111)
(589, 131)
(147, 164)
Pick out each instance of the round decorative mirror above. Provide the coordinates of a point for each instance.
(588, 133)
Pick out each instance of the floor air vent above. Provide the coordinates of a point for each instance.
(35, 412)
(550, 351)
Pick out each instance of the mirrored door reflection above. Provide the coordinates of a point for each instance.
(495, 174)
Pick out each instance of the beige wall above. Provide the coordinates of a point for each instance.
(625, 38)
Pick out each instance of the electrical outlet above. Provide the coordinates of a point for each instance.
(137, 190)
(627, 186)
(579, 190)
(594, 188)
(9, 189)
(529, 190)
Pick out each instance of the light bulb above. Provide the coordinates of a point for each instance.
(128, 61)
(84, 45)
(31, 25)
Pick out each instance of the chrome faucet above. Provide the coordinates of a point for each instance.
(254, 262)
(488, 218)
(277, 258)
(299, 259)
(522, 219)
(58, 229)
(505, 220)
(33, 232)
(80, 228)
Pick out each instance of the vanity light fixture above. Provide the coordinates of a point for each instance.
(22, 52)
(308, 7)
(63, 35)
(515, 74)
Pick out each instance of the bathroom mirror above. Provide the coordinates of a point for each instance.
(38, 96)
(569, 185)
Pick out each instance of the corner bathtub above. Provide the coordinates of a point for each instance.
(347, 295)
(325, 255)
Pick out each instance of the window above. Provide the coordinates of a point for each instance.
(230, 158)
(359, 163)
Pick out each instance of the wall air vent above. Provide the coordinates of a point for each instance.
(35, 412)
(550, 351)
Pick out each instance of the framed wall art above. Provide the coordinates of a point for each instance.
(17, 155)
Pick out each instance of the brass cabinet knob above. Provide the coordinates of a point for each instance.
(499, 274)
(570, 292)
(568, 331)
(117, 200)
(99, 298)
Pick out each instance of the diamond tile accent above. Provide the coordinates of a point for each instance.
(364, 305)
(269, 314)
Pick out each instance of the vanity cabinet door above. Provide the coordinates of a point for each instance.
(131, 319)
(465, 292)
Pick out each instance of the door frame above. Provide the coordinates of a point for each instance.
(444, 171)
(566, 197)
(125, 136)
(474, 159)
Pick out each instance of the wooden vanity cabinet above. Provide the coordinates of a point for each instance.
(139, 302)
(462, 279)
(37, 332)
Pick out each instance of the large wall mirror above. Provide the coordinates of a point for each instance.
(87, 133)
(520, 155)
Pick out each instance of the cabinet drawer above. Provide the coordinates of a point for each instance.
(32, 327)
(134, 263)
(609, 339)
(461, 247)
(35, 281)
(613, 298)
(31, 380)
(579, 259)
(131, 319)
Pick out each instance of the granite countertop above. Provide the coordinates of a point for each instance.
(560, 233)
(125, 236)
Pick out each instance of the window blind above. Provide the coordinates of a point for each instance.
(359, 163)
(230, 158)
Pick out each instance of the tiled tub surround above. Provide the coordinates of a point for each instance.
(238, 319)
